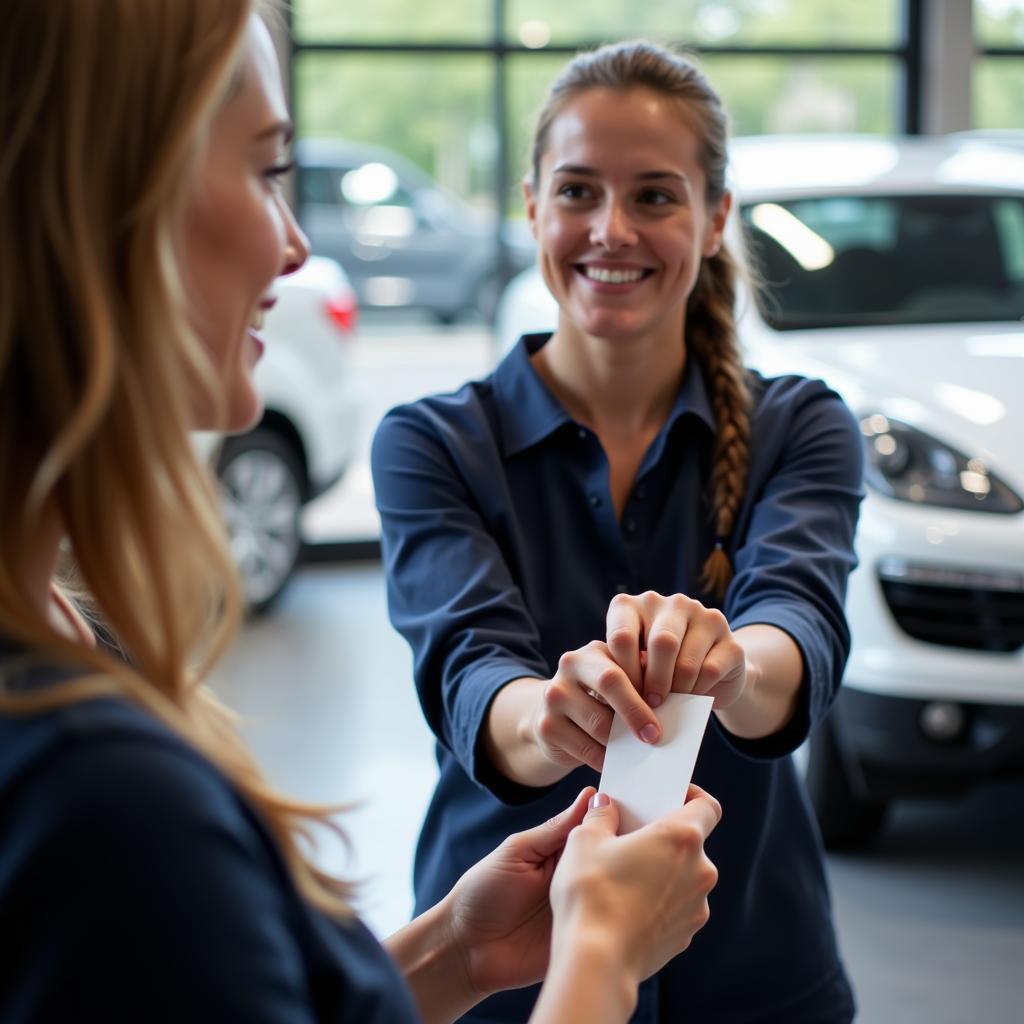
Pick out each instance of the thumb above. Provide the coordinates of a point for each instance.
(602, 814)
(542, 841)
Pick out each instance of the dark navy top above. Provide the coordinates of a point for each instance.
(503, 551)
(137, 885)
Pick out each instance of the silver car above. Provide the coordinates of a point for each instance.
(402, 239)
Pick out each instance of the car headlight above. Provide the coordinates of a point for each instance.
(906, 463)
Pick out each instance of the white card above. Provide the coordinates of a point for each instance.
(648, 781)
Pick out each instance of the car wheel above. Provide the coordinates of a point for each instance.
(847, 820)
(261, 481)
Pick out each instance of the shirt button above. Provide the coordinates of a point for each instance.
(581, 434)
(621, 588)
(630, 526)
(594, 499)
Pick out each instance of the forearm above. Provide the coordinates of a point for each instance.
(585, 984)
(433, 967)
(508, 735)
(775, 671)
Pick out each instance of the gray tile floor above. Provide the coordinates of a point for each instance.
(931, 922)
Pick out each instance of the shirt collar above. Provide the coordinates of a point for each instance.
(528, 412)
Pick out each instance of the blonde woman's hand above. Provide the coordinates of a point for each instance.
(498, 911)
(675, 644)
(640, 897)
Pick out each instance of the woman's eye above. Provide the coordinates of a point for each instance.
(655, 197)
(574, 191)
(278, 172)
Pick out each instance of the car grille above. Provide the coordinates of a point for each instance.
(980, 611)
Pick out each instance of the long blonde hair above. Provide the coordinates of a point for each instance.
(710, 316)
(104, 107)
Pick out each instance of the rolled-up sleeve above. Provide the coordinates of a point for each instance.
(797, 552)
(451, 593)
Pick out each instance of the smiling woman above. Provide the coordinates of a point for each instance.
(239, 234)
(621, 511)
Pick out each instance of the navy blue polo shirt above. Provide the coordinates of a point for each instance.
(503, 551)
(137, 885)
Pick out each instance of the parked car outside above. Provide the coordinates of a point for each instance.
(305, 439)
(402, 239)
(894, 269)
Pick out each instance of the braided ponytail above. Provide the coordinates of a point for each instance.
(711, 337)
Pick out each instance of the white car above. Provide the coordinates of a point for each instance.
(894, 269)
(304, 442)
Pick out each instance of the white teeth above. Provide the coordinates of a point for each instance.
(257, 319)
(612, 276)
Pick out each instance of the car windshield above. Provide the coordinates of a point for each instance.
(838, 261)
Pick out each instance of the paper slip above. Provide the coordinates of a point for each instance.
(647, 781)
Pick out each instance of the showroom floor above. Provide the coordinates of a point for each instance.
(931, 922)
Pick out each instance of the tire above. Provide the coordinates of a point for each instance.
(262, 485)
(847, 821)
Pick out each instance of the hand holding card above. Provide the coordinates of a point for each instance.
(645, 780)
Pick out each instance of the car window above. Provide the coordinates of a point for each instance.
(315, 186)
(373, 203)
(857, 260)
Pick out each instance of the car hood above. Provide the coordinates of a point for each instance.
(962, 383)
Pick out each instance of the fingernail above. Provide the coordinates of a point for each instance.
(599, 800)
(650, 733)
(654, 700)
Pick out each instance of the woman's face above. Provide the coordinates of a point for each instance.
(619, 213)
(239, 233)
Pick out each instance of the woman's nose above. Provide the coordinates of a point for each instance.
(296, 250)
(611, 227)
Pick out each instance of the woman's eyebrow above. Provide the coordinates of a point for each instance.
(283, 128)
(654, 175)
(575, 169)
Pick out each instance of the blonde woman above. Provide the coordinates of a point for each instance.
(147, 872)
(622, 510)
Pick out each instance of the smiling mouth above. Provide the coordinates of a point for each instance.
(604, 275)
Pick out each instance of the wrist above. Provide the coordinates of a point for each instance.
(434, 963)
(589, 974)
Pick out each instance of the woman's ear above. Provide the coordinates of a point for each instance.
(716, 225)
(530, 197)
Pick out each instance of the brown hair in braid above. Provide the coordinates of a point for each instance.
(711, 327)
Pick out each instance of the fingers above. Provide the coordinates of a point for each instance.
(624, 634)
(674, 643)
(545, 840)
(563, 740)
(602, 815)
(593, 671)
(701, 812)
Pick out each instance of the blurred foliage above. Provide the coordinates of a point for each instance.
(999, 22)
(715, 22)
(997, 99)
